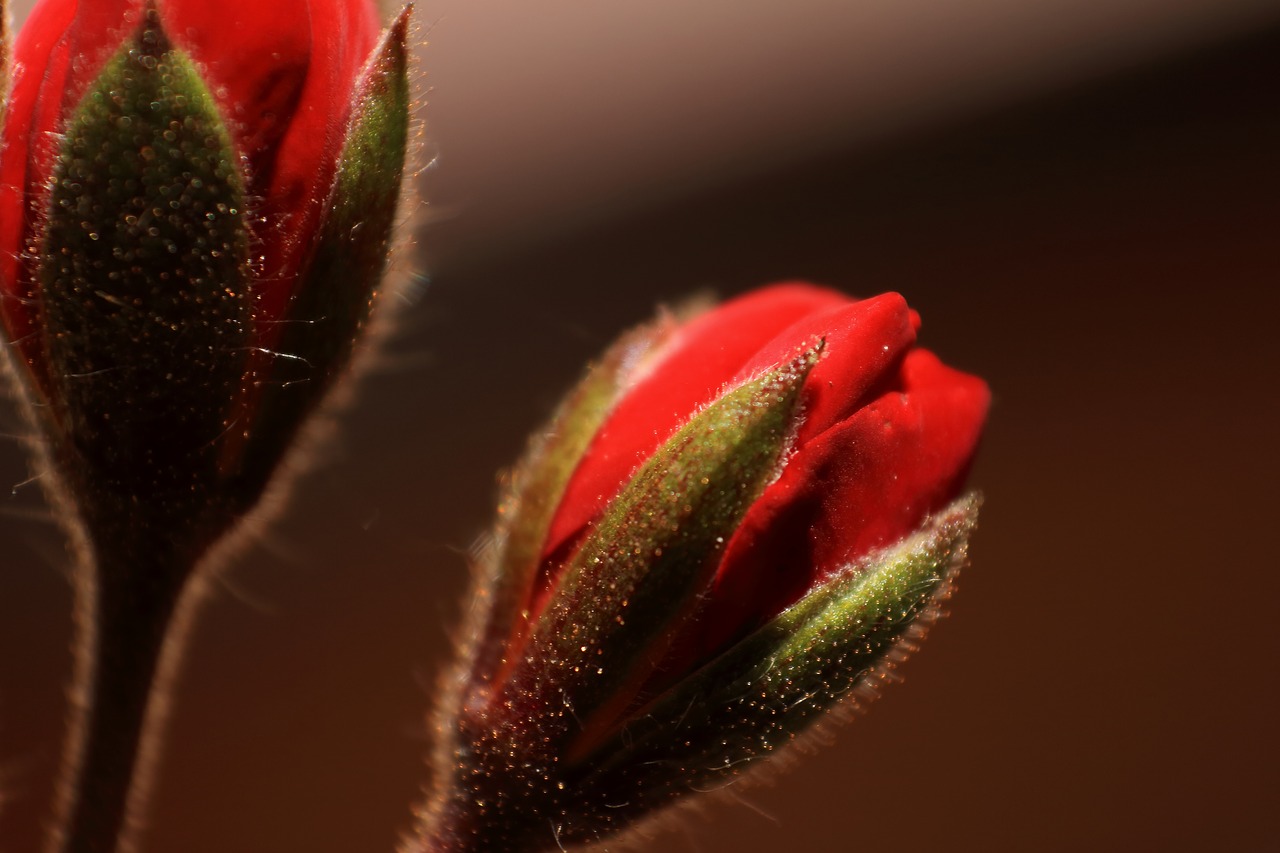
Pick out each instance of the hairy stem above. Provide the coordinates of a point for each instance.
(134, 603)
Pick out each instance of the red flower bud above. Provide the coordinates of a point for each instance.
(885, 439)
(286, 75)
(283, 73)
(196, 202)
(730, 524)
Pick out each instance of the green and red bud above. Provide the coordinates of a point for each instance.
(734, 522)
(196, 205)
(197, 201)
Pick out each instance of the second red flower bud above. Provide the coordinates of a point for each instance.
(732, 523)
(196, 206)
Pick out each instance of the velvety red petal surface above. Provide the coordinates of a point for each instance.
(58, 51)
(865, 341)
(343, 36)
(860, 486)
(697, 363)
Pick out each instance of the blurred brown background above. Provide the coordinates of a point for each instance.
(1081, 199)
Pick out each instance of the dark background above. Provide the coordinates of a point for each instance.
(1105, 253)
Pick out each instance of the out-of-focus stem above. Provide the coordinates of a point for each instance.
(134, 600)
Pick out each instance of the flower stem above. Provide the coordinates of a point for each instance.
(133, 607)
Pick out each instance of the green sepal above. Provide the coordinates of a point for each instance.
(633, 581)
(508, 567)
(335, 294)
(143, 276)
(771, 687)
(641, 570)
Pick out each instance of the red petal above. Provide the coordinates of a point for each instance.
(343, 36)
(696, 364)
(256, 63)
(860, 486)
(865, 344)
(57, 53)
